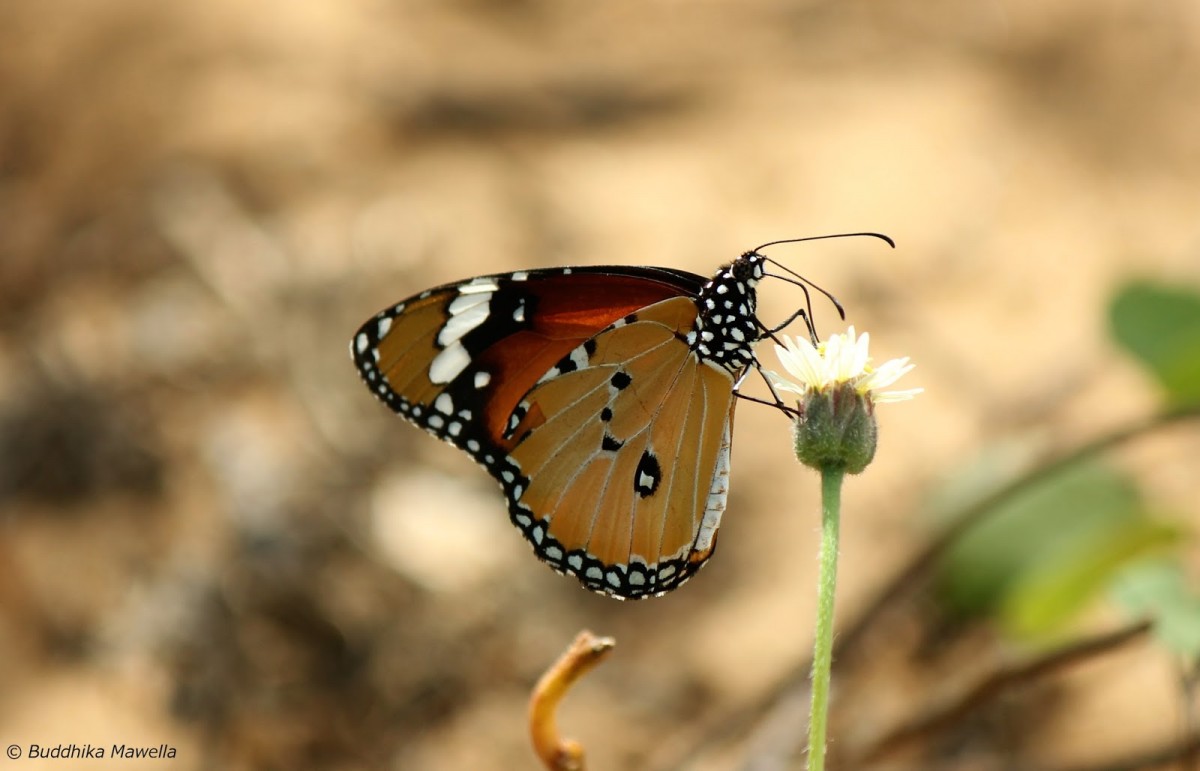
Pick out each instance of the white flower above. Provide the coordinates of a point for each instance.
(835, 427)
(840, 359)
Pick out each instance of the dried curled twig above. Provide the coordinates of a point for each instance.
(555, 752)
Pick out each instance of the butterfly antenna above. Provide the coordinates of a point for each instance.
(880, 236)
(798, 280)
(804, 283)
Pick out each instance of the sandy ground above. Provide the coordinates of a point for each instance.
(214, 538)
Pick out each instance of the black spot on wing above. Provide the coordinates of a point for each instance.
(610, 443)
(620, 380)
(566, 364)
(647, 476)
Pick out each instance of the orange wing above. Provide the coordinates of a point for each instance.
(620, 463)
(455, 360)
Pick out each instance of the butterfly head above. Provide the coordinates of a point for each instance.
(750, 267)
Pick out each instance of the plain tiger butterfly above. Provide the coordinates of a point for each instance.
(601, 399)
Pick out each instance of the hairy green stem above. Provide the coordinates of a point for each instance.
(831, 504)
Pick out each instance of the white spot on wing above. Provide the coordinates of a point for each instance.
(361, 342)
(466, 317)
(467, 301)
(444, 404)
(449, 363)
(520, 275)
(385, 324)
(478, 285)
(482, 379)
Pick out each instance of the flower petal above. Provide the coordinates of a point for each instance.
(887, 397)
(837, 360)
(801, 359)
(781, 383)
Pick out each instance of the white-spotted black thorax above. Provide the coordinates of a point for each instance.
(726, 328)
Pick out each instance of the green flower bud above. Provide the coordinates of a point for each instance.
(836, 430)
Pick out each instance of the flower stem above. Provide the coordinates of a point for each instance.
(831, 504)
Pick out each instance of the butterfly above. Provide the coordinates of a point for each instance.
(601, 398)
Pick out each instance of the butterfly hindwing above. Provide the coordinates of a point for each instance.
(621, 462)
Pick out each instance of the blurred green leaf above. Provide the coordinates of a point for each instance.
(1049, 595)
(1042, 527)
(1160, 326)
(1158, 589)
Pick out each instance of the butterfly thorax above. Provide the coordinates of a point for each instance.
(726, 327)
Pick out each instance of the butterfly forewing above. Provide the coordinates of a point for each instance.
(455, 360)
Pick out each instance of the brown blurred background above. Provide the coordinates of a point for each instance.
(213, 537)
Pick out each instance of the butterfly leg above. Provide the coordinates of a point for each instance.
(789, 411)
(800, 314)
(777, 404)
